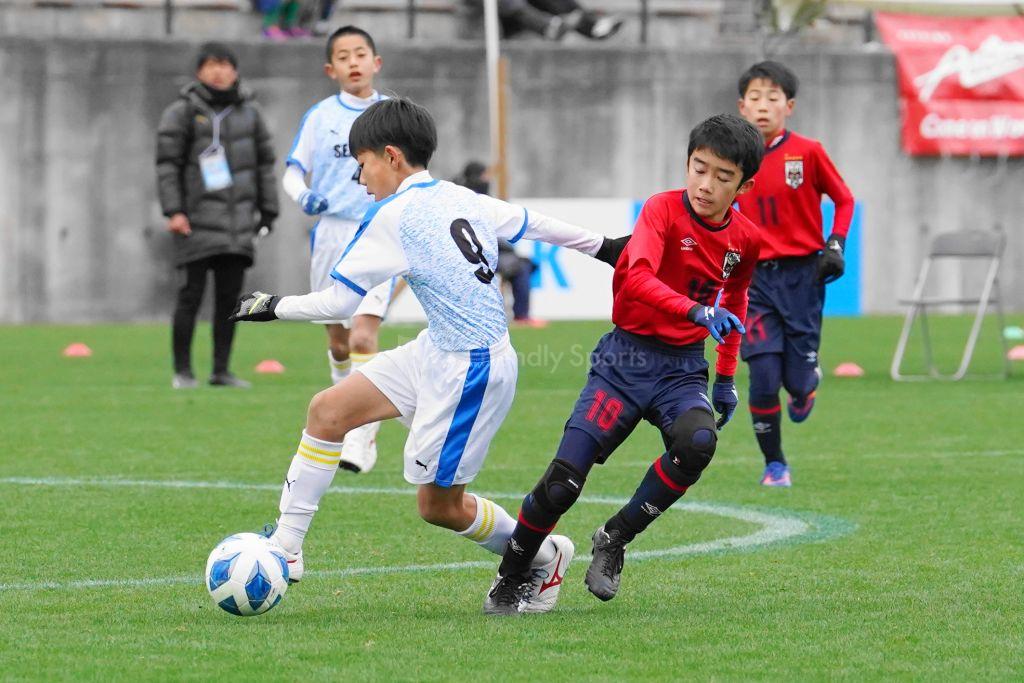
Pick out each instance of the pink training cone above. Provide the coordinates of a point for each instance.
(269, 367)
(848, 370)
(1016, 353)
(77, 350)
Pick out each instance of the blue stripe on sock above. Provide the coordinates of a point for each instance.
(465, 416)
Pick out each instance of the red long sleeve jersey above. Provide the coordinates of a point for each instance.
(786, 198)
(675, 260)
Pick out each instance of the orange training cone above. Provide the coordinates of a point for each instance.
(270, 367)
(848, 370)
(77, 350)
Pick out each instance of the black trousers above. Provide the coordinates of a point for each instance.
(228, 275)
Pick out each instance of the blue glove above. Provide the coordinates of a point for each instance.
(724, 398)
(719, 321)
(312, 203)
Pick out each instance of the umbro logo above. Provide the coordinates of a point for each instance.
(650, 509)
(688, 243)
(516, 548)
(762, 427)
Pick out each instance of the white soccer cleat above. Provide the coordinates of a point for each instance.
(359, 452)
(547, 578)
(296, 567)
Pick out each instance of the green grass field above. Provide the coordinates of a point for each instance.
(897, 554)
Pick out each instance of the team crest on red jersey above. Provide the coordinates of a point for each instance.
(731, 260)
(794, 172)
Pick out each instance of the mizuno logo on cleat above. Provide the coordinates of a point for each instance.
(556, 578)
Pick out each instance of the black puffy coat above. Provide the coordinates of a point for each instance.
(224, 221)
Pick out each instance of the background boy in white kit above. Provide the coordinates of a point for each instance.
(452, 385)
(321, 150)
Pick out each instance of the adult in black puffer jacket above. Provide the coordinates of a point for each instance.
(213, 229)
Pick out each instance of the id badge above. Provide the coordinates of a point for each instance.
(213, 163)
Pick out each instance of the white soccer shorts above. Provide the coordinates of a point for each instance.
(327, 242)
(452, 402)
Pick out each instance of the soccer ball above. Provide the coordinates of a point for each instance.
(246, 575)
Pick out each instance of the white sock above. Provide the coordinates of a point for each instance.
(309, 476)
(339, 368)
(492, 527)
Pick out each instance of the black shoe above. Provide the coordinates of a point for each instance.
(507, 593)
(226, 379)
(605, 568)
(184, 380)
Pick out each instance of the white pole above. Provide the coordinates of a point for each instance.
(492, 35)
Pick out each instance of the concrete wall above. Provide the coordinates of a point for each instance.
(81, 236)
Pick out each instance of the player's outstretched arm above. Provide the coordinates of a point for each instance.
(514, 223)
(336, 302)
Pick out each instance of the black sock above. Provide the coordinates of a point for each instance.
(577, 450)
(656, 493)
(532, 528)
(766, 413)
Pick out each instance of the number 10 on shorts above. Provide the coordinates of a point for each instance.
(604, 411)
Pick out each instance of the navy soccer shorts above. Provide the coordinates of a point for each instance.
(784, 315)
(634, 377)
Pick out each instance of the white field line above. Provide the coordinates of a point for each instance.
(775, 528)
(753, 461)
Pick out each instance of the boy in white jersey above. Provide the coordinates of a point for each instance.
(453, 385)
(321, 151)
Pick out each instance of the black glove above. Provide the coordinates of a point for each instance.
(255, 307)
(724, 398)
(831, 263)
(611, 249)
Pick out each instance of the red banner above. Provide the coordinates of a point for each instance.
(961, 83)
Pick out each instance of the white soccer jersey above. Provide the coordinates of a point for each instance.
(443, 239)
(321, 150)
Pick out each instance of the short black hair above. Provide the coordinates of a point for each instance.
(398, 122)
(773, 72)
(349, 31)
(731, 138)
(217, 51)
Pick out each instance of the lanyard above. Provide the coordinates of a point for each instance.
(217, 118)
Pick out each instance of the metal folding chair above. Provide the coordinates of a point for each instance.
(962, 245)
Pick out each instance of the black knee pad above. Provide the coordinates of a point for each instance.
(559, 488)
(692, 440)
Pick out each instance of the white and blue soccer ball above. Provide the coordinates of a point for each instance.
(246, 575)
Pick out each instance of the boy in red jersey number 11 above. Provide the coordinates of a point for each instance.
(683, 276)
(788, 290)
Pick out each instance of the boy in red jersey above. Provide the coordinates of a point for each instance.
(788, 292)
(683, 275)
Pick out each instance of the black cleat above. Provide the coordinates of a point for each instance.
(507, 594)
(605, 568)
